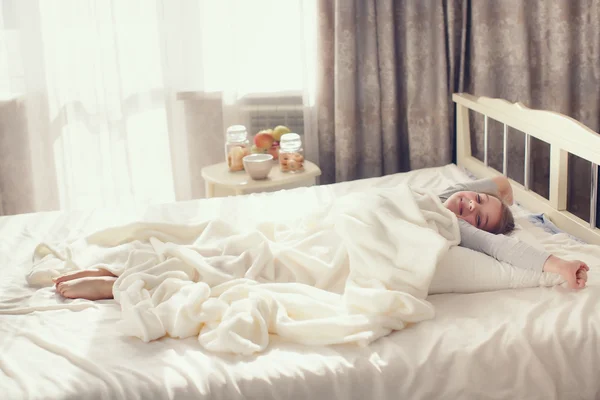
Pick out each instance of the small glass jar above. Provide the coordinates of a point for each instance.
(237, 146)
(291, 154)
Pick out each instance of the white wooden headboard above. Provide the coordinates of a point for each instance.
(564, 134)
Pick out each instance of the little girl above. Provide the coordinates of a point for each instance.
(484, 219)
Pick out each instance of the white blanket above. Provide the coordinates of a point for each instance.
(352, 272)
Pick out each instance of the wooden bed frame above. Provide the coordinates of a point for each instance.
(564, 134)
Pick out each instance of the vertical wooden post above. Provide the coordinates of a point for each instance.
(559, 169)
(486, 161)
(593, 195)
(505, 151)
(463, 134)
(527, 163)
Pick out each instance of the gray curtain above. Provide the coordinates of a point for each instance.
(387, 70)
(545, 54)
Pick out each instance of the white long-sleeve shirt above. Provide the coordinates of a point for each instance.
(501, 247)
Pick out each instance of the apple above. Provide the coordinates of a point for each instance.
(257, 150)
(279, 131)
(264, 139)
(274, 150)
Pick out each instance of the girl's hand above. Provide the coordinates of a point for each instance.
(574, 272)
(505, 191)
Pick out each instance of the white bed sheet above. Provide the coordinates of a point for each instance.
(525, 343)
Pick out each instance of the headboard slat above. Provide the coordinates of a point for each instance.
(505, 151)
(593, 195)
(463, 139)
(486, 160)
(559, 171)
(527, 163)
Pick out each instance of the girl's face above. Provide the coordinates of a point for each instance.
(478, 209)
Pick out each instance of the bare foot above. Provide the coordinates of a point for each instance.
(581, 277)
(84, 273)
(90, 288)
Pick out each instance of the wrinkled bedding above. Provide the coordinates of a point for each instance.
(352, 271)
(532, 343)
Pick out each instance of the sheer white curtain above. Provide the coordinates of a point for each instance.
(119, 103)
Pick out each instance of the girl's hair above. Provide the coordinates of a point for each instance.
(507, 222)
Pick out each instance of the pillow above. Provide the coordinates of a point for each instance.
(463, 270)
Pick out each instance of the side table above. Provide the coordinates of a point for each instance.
(219, 182)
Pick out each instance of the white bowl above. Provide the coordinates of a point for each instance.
(258, 166)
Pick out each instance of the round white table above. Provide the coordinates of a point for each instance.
(219, 182)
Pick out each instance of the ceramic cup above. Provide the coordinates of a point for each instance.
(258, 166)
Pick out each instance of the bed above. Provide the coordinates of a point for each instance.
(530, 343)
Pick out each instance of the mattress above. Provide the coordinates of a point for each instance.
(520, 343)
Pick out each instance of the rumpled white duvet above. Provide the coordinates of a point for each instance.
(354, 271)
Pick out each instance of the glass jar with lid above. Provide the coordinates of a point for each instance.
(237, 146)
(291, 154)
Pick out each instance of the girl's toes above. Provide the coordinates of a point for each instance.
(61, 288)
(66, 277)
